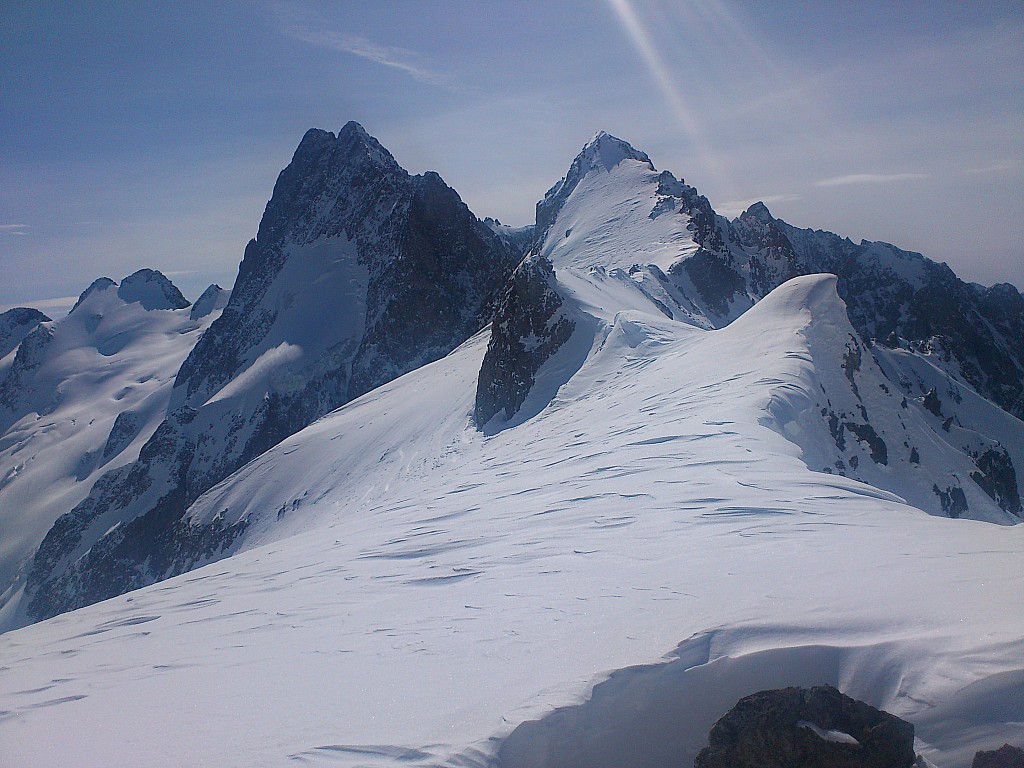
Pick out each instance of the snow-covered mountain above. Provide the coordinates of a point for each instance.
(79, 398)
(359, 273)
(679, 465)
(15, 325)
(621, 235)
(649, 547)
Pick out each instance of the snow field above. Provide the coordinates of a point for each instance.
(610, 575)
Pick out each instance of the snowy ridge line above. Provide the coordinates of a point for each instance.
(719, 457)
(416, 561)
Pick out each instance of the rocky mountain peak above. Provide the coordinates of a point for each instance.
(758, 212)
(152, 290)
(323, 167)
(97, 285)
(16, 324)
(605, 151)
(601, 154)
(212, 299)
(359, 273)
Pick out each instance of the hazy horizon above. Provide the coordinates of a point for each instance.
(152, 136)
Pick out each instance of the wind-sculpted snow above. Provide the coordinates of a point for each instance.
(614, 219)
(903, 299)
(614, 210)
(594, 585)
(414, 273)
(359, 273)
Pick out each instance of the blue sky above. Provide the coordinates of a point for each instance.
(150, 134)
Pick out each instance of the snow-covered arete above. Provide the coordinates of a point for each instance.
(715, 483)
(412, 590)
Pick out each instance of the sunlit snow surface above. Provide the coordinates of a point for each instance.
(410, 591)
(110, 357)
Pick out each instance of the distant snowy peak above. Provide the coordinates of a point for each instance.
(147, 287)
(152, 290)
(212, 299)
(899, 298)
(518, 239)
(16, 324)
(758, 211)
(358, 274)
(98, 285)
(601, 155)
(605, 151)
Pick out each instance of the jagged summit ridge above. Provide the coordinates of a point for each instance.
(602, 153)
(626, 238)
(148, 287)
(359, 273)
(605, 151)
(152, 290)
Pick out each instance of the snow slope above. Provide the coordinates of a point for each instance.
(592, 586)
(359, 272)
(621, 235)
(96, 386)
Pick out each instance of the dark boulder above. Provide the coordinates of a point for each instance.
(803, 727)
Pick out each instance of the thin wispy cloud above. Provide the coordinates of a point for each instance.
(47, 306)
(13, 229)
(295, 23)
(736, 207)
(994, 168)
(869, 178)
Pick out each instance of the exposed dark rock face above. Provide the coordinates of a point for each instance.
(932, 403)
(893, 294)
(415, 274)
(866, 434)
(125, 427)
(15, 385)
(953, 500)
(801, 727)
(1006, 756)
(529, 326)
(152, 290)
(16, 324)
(777, 261)
(997, 478)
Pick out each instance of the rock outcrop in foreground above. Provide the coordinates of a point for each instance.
(817, 726)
